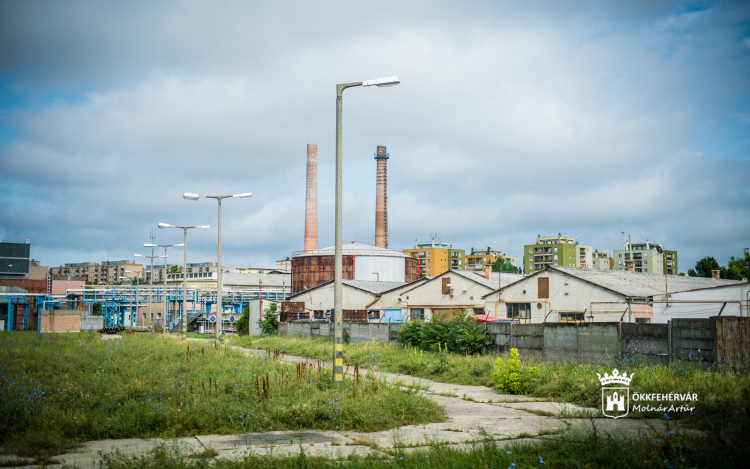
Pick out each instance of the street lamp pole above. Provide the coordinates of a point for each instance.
(183, 320)
(338, 339)
(219, 282)
(165, 246)
(151, 276)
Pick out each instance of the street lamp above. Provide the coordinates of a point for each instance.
(219, 283)
(184, 275)
(151, 276)
(165, 246)
(660, 250)
(338, 340)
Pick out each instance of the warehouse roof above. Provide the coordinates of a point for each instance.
(637, 284)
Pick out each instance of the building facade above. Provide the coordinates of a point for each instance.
(647, 259)
(436, 257)
(197, 270)
(14, 260)
(479, 258)
(558, 250)
(107, 272)
(602, 260)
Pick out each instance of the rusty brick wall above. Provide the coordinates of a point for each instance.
(311, 271)
(381, 199)
(31, 286)
(60, 321)
(411, 269)
(311, 201)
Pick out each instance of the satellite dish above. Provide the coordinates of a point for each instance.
(659, 249)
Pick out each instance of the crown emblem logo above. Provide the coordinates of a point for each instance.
(615, 378)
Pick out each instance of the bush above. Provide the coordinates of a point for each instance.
(409, 333)
(459, 333)
(243, 325)
(510, 378)
(269, 323)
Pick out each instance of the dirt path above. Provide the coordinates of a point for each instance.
(472, 411)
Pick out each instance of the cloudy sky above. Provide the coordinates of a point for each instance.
(512, 119)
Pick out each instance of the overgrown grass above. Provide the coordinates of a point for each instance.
(574, 450)
(56, 390)
(722, 408)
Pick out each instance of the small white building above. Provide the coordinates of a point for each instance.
(727, 300)
(356, 295)
(569, 294)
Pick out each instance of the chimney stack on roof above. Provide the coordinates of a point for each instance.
(311, 201)
(488, 271)
(381, 199)
(716, 274)
(630, 266)
(538, 239)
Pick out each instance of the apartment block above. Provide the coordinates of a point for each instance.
(435, 257)
(105, 273)
(647, 259)
(479, 258)
(602, 261)
(557, 250)
(195, 270)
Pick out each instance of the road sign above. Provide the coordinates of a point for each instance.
(212, 319)
(231, 319)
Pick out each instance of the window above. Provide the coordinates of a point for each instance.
(530, 250)
(555, 249)
(555, 257)
(417, 313)
(519, 311)
(543, 287)
(642, 320)
(571, 317)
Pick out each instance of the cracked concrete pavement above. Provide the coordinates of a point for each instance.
(473, 413)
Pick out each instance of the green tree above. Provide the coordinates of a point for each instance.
(704, 267)
(96, 309)
(243, 325)
(174, 270)
(269, 323)
(499, 265)
(737, 268)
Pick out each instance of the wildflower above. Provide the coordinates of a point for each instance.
(666, 416)
(509, 452)
(541, 460)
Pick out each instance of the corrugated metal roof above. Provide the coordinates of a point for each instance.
(640, 285)
(479, 277)
(355, 249)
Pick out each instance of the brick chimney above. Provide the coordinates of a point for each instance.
(538, 239)
(716, 274)
(488, 271)
(311, 201)
(630, 266)
(381, 199)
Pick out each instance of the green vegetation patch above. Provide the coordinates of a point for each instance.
(78, 387)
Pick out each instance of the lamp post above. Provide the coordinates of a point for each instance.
(151, 276)
(338, 340)
(165, 246)
(660, 250)
(219, 283)
(184, 275)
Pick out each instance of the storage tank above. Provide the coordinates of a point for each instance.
(360, 262)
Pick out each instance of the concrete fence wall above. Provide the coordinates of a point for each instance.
(578, 342)
(92, 323)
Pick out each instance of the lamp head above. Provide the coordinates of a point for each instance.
(203, 226)
(149, 245)
(164, 225)
(244, 194)
(191, 196)
(382, 82)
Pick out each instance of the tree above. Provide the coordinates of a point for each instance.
(499, 265)
(737, 268)
(243, 325)
(174, 270)
(270, 322)
(704, 267)
(96, 309)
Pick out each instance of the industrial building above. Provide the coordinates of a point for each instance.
(14, 260)
(557, 250)
(436, 257)
(360, 262)
(570, 294)
(358, 295)
(480, 258)
(647, 258)
(702, 303)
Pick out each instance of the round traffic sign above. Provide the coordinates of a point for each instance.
(212, 319)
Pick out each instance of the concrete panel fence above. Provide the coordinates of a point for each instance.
(693, 339)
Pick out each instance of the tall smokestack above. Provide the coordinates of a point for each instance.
(311, 202)
(381, 199)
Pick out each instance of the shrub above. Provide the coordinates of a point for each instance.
(510, 378)
(243, 325)
(459, 333)
(269, 323)
(409, 333)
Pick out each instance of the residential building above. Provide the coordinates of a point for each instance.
(647, 259)
(556, 251)
(479, 258)
(107, 272)
(284, 264)
(196, 270)
(37, 271)
(602, 260)
(570, 294)
(436, 257)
